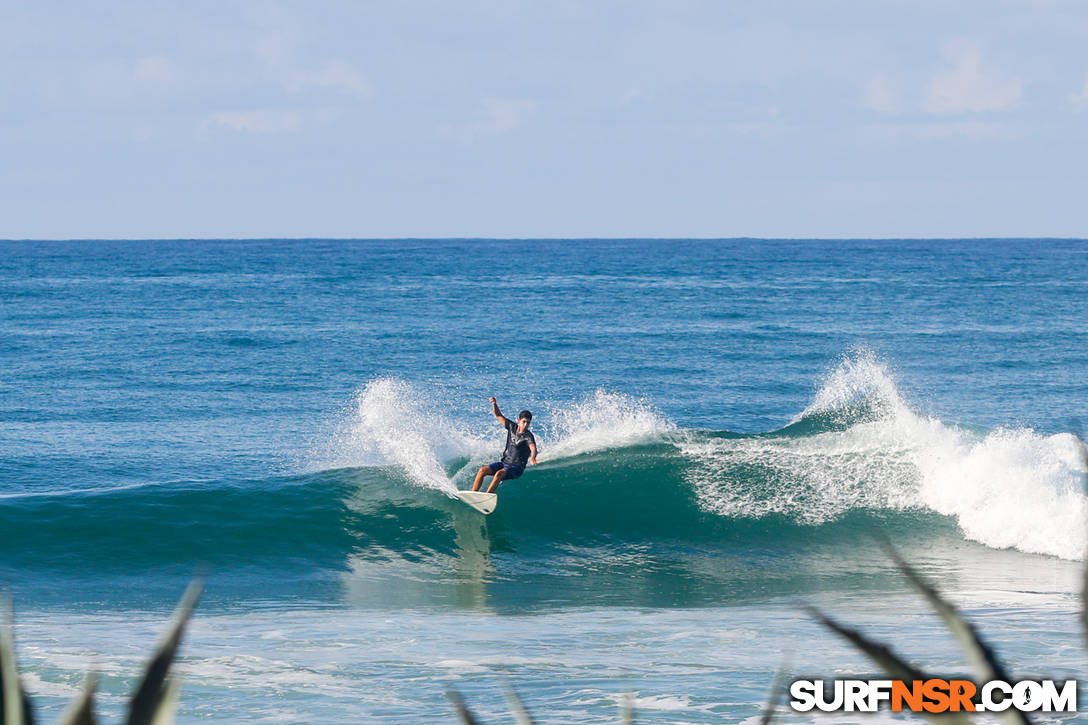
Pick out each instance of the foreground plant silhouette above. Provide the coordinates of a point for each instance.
(153, 703)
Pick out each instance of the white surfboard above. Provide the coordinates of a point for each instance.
(483, 502)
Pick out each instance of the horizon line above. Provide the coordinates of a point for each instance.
(542, 239)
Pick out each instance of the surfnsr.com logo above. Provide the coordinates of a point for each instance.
(933, 696)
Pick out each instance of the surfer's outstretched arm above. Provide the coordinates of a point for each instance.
(532, 453)
(497, 413)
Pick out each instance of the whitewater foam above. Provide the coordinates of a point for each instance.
(1011, 488)
(811, 480)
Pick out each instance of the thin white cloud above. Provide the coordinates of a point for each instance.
(878, 94)
(502, 115)
(155, 70)
(281, 50)
(336, 75)
(1079, 99)
(497, 116)
(111, 82)
(267, 121)
(969, 87)
(634, 94)
(961, 130)
(263, 121)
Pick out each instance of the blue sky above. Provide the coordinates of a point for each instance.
(557, 119)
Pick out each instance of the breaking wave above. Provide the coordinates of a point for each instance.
(858, 456)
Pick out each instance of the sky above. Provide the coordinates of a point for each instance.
(557, 118)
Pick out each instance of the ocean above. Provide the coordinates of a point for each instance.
(727, 429)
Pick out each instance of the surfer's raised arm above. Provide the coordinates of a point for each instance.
(496, 412)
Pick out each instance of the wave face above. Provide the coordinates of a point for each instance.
(620, 488)
(857, 447)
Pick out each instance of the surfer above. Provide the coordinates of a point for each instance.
(520, 447)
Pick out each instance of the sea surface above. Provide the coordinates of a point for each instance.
(727, 429)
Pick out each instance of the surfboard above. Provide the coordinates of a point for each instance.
(483, 502)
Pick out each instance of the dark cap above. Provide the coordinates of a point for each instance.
(525, 414)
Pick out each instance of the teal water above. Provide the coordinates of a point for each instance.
(724, 426)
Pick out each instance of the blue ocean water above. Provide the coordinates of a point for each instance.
(724, 426)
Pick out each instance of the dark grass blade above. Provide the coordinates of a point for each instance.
(463, 713)
(81, 711)
(627, 709)
(885, 659)
(517, 707)
(15, 706)
(880, 654)
(778, 684)
(984, 661)
(151, 694)
(169, 704)
(1084, 604)
(1084, 581)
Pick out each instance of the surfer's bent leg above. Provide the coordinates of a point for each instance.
(484, 471)
(499, 475)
